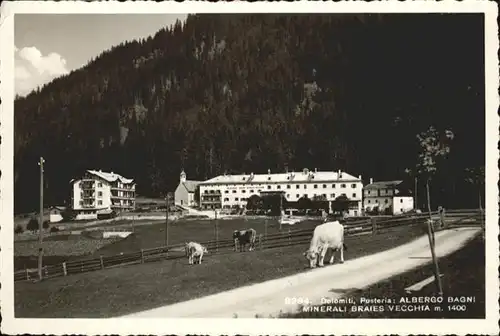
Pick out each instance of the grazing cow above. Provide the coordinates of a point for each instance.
(325, 236)
(243, 237)
(195, 251)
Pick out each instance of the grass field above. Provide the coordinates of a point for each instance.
(464, 275)
(118, 291)
(145, 236)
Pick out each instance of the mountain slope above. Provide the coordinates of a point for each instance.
(248, 93)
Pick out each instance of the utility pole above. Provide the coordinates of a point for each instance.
(416, 191)
(40, 223)
(216, 232)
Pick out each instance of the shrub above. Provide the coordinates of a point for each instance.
(54, 229)
(46, 224)
(32, 225)
(18, 229)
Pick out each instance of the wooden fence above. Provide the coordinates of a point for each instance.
(452, 218)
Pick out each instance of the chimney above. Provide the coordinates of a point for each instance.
(251, 175)
(371, 180)
(269, 171)
(339, 174)
(359, 177)
(315, 170)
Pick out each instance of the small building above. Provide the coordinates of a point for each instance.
(185, 191)
(55, 214)
(389, 197)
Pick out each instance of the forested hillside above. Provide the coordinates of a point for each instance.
(248, 93)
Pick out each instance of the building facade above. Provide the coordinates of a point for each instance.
(386, 196)
(100, 192)
(185, 191)
(229, 191)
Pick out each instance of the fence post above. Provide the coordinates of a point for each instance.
(142, 256)
(374, 225)
(260, 241)
(64, 269)
(102, 262)
(27, 274)
(46, 272)
(442, 217)
(289, 237)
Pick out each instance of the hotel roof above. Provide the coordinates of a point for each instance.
(383, 184)
(291, 177)
(110, 177)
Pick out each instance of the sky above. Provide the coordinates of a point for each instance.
(51, 45)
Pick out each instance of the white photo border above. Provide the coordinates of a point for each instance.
(12, 325)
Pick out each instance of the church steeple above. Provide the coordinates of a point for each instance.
(183, 176)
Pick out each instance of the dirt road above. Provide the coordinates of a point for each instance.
(268, 298)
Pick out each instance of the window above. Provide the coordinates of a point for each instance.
(369, 201)
(324, 186)
(226, 199)
(353, 185)
(99, 193)
(227, 191)
(368, 192)
(376, 201)
(354, 195)
(205, 192)
(287, 195)
(342, 185)
(315, 186)
(99, 202)
(278, 187)
(305, 195)
(386, 201)
(401, 200)
(236, 199)
(332, 195)
(269, 178)
(288, 186)
(297, 195)
(268, 187)
(324, 195)
(297, 186)
(234, 191)
(252, 191)
(244, 191)
(305, 186)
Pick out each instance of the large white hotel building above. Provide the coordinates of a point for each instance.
(226, 191)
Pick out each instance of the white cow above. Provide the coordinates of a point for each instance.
(195, 251)
(325, 236)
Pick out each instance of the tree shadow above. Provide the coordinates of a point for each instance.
(352, 290)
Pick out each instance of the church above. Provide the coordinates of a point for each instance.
(185, 191)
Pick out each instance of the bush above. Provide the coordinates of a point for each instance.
(32, 225)
(54, 229)
(18, 229)
(46, 224)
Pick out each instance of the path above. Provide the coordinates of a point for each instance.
(267, 298)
